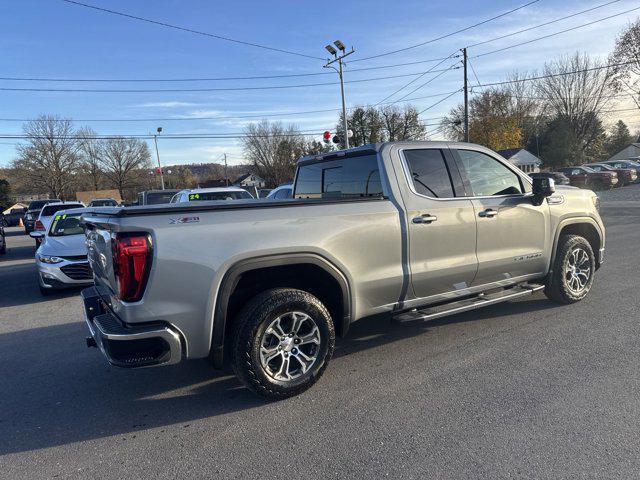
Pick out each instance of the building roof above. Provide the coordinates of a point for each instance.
(509, 152)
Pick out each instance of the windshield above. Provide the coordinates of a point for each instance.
(38, 204)
(232, 195)
(64, 225)
(53, 208)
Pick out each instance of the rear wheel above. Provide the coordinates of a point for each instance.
(284, 339)
(573, 270)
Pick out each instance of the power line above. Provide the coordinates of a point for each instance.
(235, 117)
(205, 79)
(540, 77)
(543, 24)
(417, 78)
(438, 102)
(191, 30)
(216, 89)
(555, 33)
(421, 86)
(445, 35)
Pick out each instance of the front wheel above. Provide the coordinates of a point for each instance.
(573, 270)
(284, 339)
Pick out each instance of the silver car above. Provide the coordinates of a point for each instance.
(61, 259)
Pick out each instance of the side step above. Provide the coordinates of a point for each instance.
(479, 301)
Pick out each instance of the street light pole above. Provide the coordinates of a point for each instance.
(155, 140)
(329, 64)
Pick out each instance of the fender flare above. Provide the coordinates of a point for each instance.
(573, 221)
(234, 273)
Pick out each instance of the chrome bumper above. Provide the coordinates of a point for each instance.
(128, 346)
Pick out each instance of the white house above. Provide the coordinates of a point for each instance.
(632, 152)
(523, 159)
(249, 180)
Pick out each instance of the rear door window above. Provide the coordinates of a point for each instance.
(348, 177)
(429, 173)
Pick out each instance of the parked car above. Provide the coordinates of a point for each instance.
(412, 230)
(14, 216)
(626, 176)
(61, 259)
(3, 240)
(103, 202)
(156, 197)
(281, 192)
(625, 164)
(215, 193)
(558, 178)
(585, 177)
(47, 213)
(33, 211)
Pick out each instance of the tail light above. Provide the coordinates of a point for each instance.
(39, 225)
(131, 265)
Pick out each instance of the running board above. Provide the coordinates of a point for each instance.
(479, 301)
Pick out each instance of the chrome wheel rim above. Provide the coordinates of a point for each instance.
(578, 270)
(289, 346)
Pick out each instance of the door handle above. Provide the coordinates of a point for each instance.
(426, 218)
(488, 213)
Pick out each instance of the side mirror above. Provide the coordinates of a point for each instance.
(543, 188)
(36, 234)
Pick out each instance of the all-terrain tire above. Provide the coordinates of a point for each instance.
(558, 285)
(250, 327)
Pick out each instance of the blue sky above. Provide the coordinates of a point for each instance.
(54, 39)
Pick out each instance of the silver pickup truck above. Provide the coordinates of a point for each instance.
(414, 230)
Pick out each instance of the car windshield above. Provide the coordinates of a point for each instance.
(64, 225)
(56, 207)
(589, 169)
(38, 204)
(231, 195)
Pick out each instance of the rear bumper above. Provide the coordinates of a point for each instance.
(129, 346)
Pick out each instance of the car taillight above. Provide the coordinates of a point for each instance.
(131, 264)
(39, 225)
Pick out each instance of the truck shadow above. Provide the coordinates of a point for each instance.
(58, 392)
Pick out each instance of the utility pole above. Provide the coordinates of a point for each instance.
(466, 96)
(155, 139)
(329, 64)
(226, 178)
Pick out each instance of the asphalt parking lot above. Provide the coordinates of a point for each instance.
(527, 389)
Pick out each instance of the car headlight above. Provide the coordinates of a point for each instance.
(50, 259)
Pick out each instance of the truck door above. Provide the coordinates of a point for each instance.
(441, 223)
(512, 232)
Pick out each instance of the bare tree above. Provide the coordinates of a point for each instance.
(273, 150)
(49, 159)
(402, 124)
(122, 159)
(577, 90)
(91, 152)
(627, 51)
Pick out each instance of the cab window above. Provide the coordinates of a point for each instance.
(429, 173)
(486, 176)
(348, 177)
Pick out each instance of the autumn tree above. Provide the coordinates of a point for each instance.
(123, 161)
(49, 159)
(492, 121)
